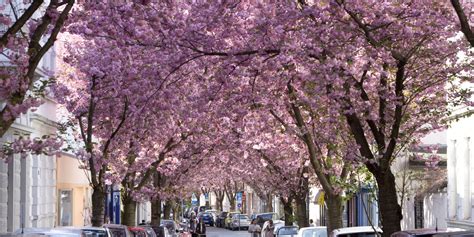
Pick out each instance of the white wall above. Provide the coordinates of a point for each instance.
(461, 172)
(435, 210)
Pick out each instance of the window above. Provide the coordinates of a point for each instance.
(65, 207)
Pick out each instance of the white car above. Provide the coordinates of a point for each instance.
(318, 231)
(359, 231)
(240, 221)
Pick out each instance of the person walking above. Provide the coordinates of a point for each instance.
(311, 223)
(201, 228)
(254, 229)
(193, 224)
(270, 229)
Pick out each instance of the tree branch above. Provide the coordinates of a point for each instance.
(464, 21)
(20, 22)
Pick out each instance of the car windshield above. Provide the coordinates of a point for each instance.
(315, 233)
(116, 232)
(368, 234)
(288, 231)
(95, 233)
(243, 217)
(268, 216)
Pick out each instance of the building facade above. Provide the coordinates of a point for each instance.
(461, 170)
(422, 189)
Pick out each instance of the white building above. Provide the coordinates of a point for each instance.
(422, 190)
(461, 170)
(28, 186)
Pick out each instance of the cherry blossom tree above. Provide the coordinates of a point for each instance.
(356, 83)
(465, 21)
(30, 30)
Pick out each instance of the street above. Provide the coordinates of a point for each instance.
(220, 232)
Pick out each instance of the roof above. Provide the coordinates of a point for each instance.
(427, 231)
(114, 226)
(266, 213)
(314, 228)
(357, 229)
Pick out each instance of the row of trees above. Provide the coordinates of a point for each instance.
(161, 92)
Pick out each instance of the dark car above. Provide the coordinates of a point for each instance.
(263, 217)
(117, 230)
(204, 208)
(221, 219)
(207, 218)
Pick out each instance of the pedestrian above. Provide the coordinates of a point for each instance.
(270, 229)
(193, 223)
(201, 228)
(143, 223)
(254, 229)
(311, 223)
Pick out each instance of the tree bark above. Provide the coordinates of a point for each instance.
(220, 199)
(334, 212)
(156, 211)
(288, 210)
(129, 211)
(390, 210)
(167, 209)
(301, 211)
(98, 206)
(232, 204)
(176, 210)
(269, 206)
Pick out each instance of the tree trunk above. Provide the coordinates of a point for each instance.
(198, 196)
(177, 210)
(167, 210)
(232, 204)
(220, 199)
(269, 206)
(301, 211)
(334, 212)
(129, 211)
(288, 210)
(390, 210)
(208, 202)
(156, 211)
(220, 204)
(98, 206)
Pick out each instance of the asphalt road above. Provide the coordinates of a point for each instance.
(220, 232)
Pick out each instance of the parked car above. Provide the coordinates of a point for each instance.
(263, 217)
(221, 219)
(359, 231)
(207, 218)
(84, 231)
(138, 231)
(203, 208)
(452, 232)
(171, 227)
(286, 231)
(318, 231)
(30, 230)
(213, 213)
(228, 219)
(116, 230)
(240, 221)
(160, 231)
